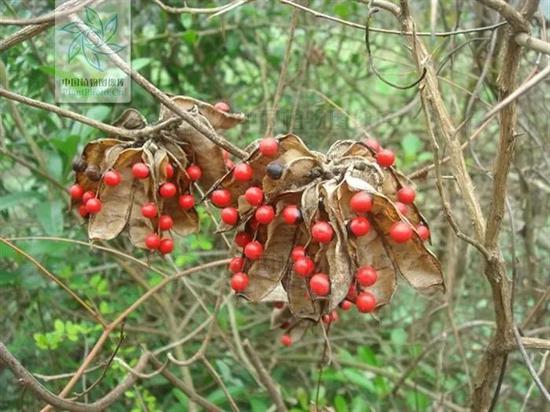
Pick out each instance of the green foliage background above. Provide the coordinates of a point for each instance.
(330, 94)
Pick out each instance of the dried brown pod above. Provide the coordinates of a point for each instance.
(323, 185)
(162, 159)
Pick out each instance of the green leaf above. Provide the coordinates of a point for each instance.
(50, 216)
(367, 355)
(40, 340)
(258, 404)
(55, 165)
(340, 404)
(190, 37)
(342, 10)
(20, 198)
(59, 326)
(359, 378)
(140, 63)
(359, 404)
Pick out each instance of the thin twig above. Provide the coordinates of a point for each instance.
(107, 128)
(530, 367)
(265, 377)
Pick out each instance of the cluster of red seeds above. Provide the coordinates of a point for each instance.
(400, 232)
(365, 276)
(90, 204)
(263, 215)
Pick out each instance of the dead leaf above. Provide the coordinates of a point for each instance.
(116, 200)
(266, 272)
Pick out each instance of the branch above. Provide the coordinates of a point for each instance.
(265, 378)
(525, 40)
(107, 128)
(28, 381)
(510, 14)
(530, 367)
(193, 396)
(396, 10)
(95, 315)
(198, 10)
(520, 91)
(62, 11)
(206, 130)
(33, 30)
(282, 77)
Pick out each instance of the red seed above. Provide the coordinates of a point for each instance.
(168, 190)
(359, 226)
(292, 214)
(269, 146)
(346, 305)
(230, 216)
(304, 266)
(400, 232)
(265, 214)
(242, 239)
(222, 106)
(186, 202)
(87, 196)
(320, 284)
(93, 206)
(361, 202)
(166, 246)
(366, 276)
(194, 172)
(297, 253)
(385, 158)
(423, 232)
(239, 282)
(236, 264)
(406, 195)
(286, 340)
(402, 207)
(373, 144)
(152, 241)
(112, 178)
(221, 197)
(365, 302)
(254, 196)
(140, 171)
(243, 172)
(76, 191)
(165, 222)
(169, 170)
(82, 210)
(149, 210)
(253, 250)
(322, 232)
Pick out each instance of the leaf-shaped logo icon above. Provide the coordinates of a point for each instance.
(81, 43)
(94, 21)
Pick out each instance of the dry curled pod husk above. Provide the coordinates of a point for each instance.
(167, 153)
(322, 185)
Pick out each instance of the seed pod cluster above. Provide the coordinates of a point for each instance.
(147, 184)
(316, 233)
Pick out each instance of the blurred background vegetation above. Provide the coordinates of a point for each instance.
(330, 93)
